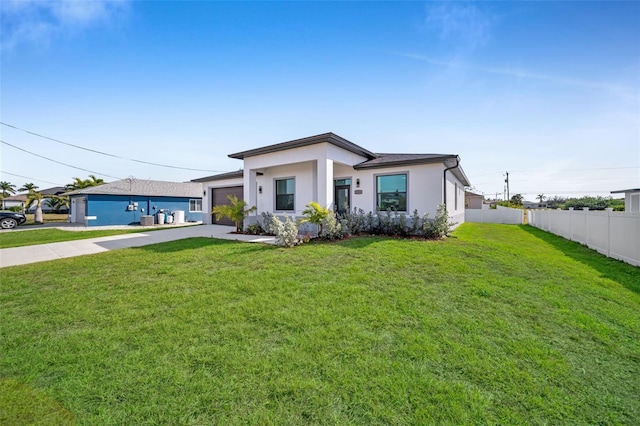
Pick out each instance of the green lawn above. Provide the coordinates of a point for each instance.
(52, 235)
(497, 325)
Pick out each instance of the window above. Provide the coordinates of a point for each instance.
(392, 192)
(195, 205)
(285, 194)
(455, 191)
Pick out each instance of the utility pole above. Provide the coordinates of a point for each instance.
(507, 182)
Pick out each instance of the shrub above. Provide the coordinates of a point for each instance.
(286, 232)
(267, 223)
(357, 221)
(254, 229)
(315, 213)
(440, 226)
(332, 228)
(415, 223)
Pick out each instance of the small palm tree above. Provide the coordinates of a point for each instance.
(35, 197)
(236, 211)
(57, 202)
(315, 213)
(541, 197)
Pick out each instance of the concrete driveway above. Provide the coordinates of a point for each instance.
(43, 252)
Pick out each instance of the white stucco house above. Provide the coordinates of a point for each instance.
(631, 199)
(340, 175)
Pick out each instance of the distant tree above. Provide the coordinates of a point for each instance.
(7, 189)
(29, 187)
(541, 197)
(593, 203)
(517, 199)
(556, 202)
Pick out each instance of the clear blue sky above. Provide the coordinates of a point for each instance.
(549, 91)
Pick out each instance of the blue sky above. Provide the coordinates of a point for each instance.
(549, 91)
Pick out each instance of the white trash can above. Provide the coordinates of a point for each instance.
(160, 218)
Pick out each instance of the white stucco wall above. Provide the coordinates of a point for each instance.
(314, 169)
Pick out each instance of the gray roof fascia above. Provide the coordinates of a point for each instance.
(375, 164)
(621, 191)
(311, 140)
(221, 176)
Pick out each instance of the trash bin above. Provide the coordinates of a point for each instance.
(160, 218)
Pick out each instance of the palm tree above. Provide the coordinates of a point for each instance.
(234, 211)
(315, 213)
(7, 189)
(56, 202)
(84, 183)
(29, 187)
(541, 197)
(35, 197)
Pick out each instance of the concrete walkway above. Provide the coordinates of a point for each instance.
(43, 252)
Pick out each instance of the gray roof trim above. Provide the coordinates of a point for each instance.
(398, 160)
(311, 140)
(626, 190)
(142, 187)
(221, 176)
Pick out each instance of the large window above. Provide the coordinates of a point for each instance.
(195, 205)
(285, 193)
(392, 192)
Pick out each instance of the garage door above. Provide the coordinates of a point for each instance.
(219, 198)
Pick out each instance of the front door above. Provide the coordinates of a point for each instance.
(342, 194)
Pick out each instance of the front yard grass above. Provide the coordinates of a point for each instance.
(51, 235)
(497, 325)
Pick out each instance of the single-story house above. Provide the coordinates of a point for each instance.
(473, 201)
(340, 175)
(13, 201)
(124, 202)
(631, 199)
(534, 205)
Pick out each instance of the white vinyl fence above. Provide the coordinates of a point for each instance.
(500, 214)
(614, 234)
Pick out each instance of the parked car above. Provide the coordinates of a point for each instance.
(9, 220)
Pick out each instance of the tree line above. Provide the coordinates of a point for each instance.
(35, 197)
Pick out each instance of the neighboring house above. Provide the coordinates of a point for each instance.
(13, 201)
(473, 201)
(340, 175)
(631, 199)
(534, 205)
(125, 201)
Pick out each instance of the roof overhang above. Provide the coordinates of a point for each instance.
(330, 138)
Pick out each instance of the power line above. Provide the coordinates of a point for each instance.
(30, 178)
(59, 162)
(557, 171)
(108, 154)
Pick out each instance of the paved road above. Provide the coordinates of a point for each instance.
(43, 252)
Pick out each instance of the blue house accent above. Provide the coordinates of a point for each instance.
(125, 202)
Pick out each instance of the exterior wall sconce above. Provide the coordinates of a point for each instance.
(358, 183)
(204, 193)
(260, 189)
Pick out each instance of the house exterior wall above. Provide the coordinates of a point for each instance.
(103, 210)
(632, 202)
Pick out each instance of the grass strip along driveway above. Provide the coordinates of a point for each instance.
(498, 324)
(52, 235)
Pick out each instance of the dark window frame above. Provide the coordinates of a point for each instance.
(378, 194)
(292, 195)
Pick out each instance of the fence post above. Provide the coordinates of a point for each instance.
(571, 224)
(586, 226)
(609, 210)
